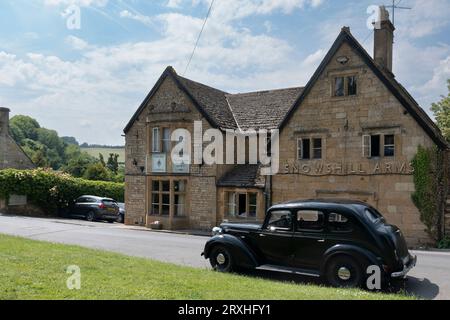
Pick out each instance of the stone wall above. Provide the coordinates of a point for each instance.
(11, 155)
(341, 122)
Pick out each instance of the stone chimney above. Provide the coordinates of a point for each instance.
(4, 121)
(384, 40)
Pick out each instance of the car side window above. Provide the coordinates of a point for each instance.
(280, 220)
(310, 220)
(81, 200)
(339, 223)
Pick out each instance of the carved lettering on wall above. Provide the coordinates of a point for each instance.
(321, 168)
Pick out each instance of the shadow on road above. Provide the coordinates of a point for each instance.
(421, 288)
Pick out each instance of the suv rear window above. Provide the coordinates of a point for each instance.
(109, 203)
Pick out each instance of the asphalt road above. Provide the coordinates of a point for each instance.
(429, 280)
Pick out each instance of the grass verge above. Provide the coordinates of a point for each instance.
(33, 270)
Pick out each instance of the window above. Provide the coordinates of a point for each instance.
(389, 145)
(345, 86)
(166, 143)
(317, 148)
(339, 86)
(371, 145)
(338, 223)
(160, 198)
(252, 204)
(375, 146)
(241, 204)
(280, 220)
(231, 197)
(374, 216)
(155, 140)
(310, 220)
(304, 149)
(180, 197)
(351, 86)
(308, 147)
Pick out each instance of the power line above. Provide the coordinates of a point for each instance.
(199, 36)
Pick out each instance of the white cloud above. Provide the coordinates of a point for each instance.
(136, 16)
(77, 43)
(81, 3)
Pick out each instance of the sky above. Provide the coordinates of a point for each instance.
(86, 77)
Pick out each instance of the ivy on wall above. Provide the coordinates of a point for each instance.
(52, 191)
(429, 184)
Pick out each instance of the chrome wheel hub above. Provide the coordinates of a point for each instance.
(344, 274)
(221, 259)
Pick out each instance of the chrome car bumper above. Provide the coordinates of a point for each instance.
(411, 264)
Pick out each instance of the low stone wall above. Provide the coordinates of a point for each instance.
(21, 209)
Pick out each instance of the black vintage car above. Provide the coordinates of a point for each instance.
(335, 240)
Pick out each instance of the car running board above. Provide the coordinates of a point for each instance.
(302, 272)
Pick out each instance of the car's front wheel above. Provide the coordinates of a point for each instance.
(344, 271)
(221, 259)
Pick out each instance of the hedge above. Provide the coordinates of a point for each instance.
(53, 191)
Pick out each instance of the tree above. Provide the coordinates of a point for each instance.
(441, 111)
(70, 140)
(113, 162)
(97, 172)
(26, 127)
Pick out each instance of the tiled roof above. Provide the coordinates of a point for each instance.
(243, 176)
(212, 101)
(264, 109)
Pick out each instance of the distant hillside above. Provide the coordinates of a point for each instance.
(106, 151)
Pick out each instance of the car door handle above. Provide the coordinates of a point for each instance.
(321, 240)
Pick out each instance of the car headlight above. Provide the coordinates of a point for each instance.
(216, 231)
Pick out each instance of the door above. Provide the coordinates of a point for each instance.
(309, 239)
(78, 206)
(274, 241)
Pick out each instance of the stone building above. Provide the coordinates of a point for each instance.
(11, 154)
(351, 132)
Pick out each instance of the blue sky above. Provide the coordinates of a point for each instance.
(88, 82)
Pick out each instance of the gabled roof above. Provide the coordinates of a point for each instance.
(210, 102)
(407, 101)
(273, 109)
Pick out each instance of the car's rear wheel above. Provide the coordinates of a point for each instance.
(221, 259)
(344, 271)
(90, 216)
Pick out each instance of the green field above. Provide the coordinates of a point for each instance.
(106, 152)
(32, 270)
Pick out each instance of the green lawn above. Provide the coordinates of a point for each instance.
(106, 152)
(37, 270)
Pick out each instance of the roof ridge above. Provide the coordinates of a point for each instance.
(202, 84)
(265, 91)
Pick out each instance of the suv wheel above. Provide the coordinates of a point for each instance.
(90, 216)
(343, 271)
(221, 259)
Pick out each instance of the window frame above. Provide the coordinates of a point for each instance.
(156, 141)
(389, 145)
(311, 148)
(275, 229)
(166, 142)
(345, 83)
